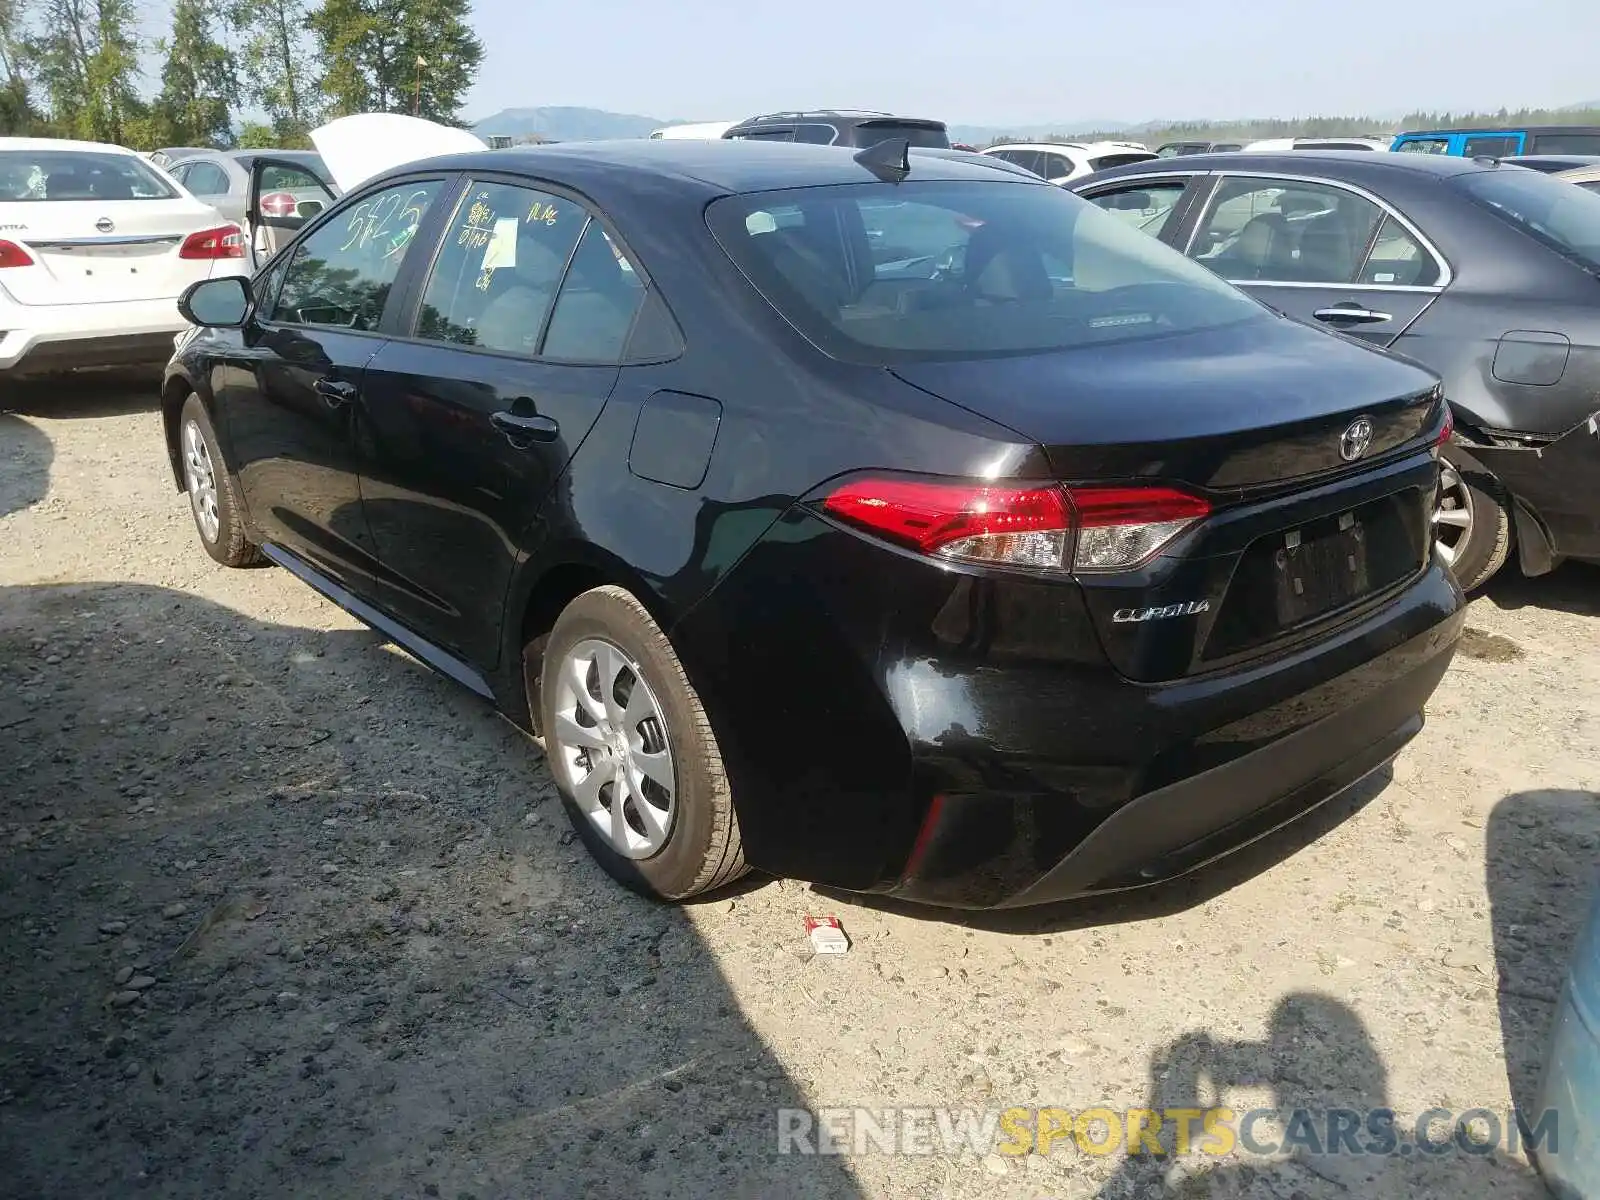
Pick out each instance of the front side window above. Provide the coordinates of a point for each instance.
(341, 273)
(1565, 218)
(1261, 230)
(27, 175)
(885, 273)
(1146, 207)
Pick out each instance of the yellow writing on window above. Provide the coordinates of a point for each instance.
(479, 224)
(542, 212)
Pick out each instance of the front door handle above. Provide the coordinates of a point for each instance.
(1352, 314)
(334, 392)
(522, 426)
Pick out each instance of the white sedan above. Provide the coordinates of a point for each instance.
(96, 245)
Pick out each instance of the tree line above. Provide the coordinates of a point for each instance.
(1158, 132)
(77, 68)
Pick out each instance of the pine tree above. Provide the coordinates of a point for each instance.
(199, 84)
(397, 56)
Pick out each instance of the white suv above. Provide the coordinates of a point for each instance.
(96, 246)
(1061, 161)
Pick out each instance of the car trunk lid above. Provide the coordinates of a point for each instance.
(102, 252)
(1314, 453)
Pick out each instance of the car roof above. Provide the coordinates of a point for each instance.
(24, 143)
(1349, 163)
(1480, 129)
(720, 165)
(833, 114)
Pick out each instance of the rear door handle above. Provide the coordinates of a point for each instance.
(522, 429)
(334, 392)
(1356, 316)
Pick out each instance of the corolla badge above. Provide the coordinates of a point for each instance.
(1355, 441)
(105, 225)
(1134, 616)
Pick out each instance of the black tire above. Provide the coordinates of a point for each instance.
(702, 850)
(1486, 542)
(227, 543)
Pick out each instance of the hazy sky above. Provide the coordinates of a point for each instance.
(996, 61)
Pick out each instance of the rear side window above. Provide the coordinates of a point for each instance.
(497, 273)
(206, 179)
(885, 273)
(1274, 231)
(1567, 143)
(600, 297)
(341, 273)
(1107, 161)
(816, 135)
(1497, 146)
(27, 175)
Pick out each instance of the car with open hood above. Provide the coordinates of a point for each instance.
(888, 519)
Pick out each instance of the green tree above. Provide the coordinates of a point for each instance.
(87, 62)
(18, 115)
(199, 84)
(397, 56)
(280, 67)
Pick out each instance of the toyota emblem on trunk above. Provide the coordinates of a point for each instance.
(105, 225)
(1357, 440)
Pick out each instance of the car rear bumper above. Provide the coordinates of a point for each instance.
(894, 727)
(41, 338)
(1558, 514)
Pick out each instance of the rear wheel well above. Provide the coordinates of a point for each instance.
(556, 589)
(173, 393)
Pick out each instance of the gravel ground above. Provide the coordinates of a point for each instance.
(281, 913)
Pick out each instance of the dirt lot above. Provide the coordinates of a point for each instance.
(281, 913)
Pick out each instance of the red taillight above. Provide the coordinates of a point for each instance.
(1447, 428)
(225, 241)
(279, 204)
(13, 255)
(1043, 527)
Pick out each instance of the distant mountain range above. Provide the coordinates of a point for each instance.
(592, 124)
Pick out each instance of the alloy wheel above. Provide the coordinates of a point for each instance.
(1452, 514)
(200, 478)
(611, 738)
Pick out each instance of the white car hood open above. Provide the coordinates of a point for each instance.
(367, 144)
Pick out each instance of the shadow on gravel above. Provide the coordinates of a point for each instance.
(1572, 588)
(1542, 850)
(25, 457)
(1158, 900)
(282, 916)
(1319, 1060)
(87, 394)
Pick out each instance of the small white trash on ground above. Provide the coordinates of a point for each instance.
(827, 935)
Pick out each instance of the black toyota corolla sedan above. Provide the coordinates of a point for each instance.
(883, 520)
(1485, 273)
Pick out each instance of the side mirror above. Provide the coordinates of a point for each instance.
(222, 303)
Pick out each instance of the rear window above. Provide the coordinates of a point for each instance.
(884, 273)
(1567, 143)
(1565, 218)
(78, 175)
(870, 133)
